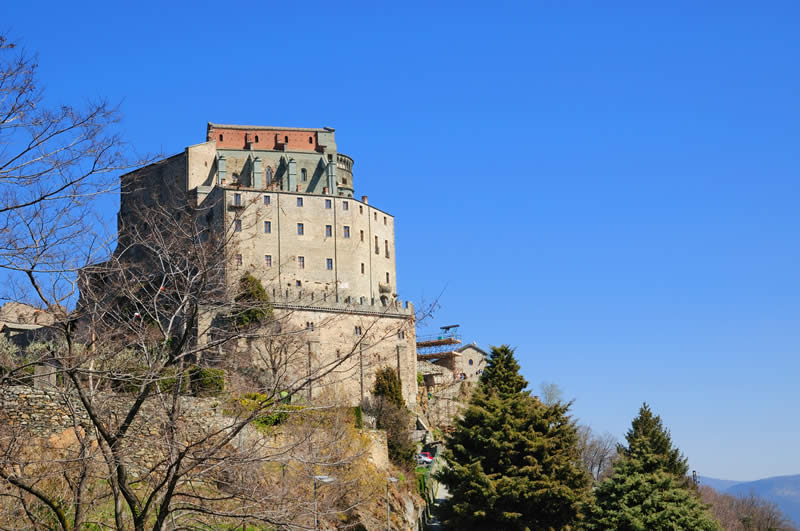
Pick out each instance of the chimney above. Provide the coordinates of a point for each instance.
(325, 190)
(364, 199)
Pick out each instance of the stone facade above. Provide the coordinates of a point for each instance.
(283, 200)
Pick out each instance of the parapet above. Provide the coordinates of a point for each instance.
(299, 299)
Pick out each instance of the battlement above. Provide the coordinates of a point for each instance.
(299, 299)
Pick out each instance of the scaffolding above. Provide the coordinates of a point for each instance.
(439, 346)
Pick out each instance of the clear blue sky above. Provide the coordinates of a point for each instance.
(612, 190)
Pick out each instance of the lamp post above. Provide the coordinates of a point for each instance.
(388, 507)
(321, 479)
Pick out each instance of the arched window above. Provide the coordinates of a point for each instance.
(304, 174)
(256, 139)
(286, 139)
(311, 140)
(220, 137)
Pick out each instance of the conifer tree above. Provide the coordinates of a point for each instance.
(649, 429)
(513, 462)
(642, 495)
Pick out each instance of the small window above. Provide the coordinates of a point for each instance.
(375, 214)
(360, 209)
(311, 140)
(268, 260)
(362, 235)
(377, 249)
(470, 362)
(329, 264)
(346, 231)
(345, 205)
(237, 199)
(269, 181)
(220, 138)
(267, 227)
(301, 262)
(328, 203)
(328, 231)
(362, 268)
(299, 201)
(256, 139)
(298, 283)
(384, 220)
(402, 335)
(238, 259)
(387, 277)
(237, 225)
(309, 326)
(344, 180)
(266, 197)
(358, 330)
(300, 229)
(386, 245)
(286, 139)
(304, 175)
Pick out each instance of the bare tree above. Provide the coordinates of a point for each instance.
(598, 452)
(741, 513)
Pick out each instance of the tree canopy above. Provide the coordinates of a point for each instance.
(513, 462)
(649, 429)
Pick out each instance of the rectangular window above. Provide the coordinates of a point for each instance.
(266, 200)
(362, 268)
(358, 330)
(237, 199)
(401, 335)
(327, 203)
(268, 260)
(346, 231)
(267, 227)
(384, 220)
(237, 225)
(329, 264)
(360, 209)
(299, 229)
(377, 248)
(298, 283)
(375, 214)
(299, 201)
(345, 205)
(386, 245)
(362, 235)
(301, 262)
(387, 277)
(328, 231)
(238, 259)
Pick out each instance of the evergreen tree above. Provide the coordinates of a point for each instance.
(642, 495)
(392, 415)
(513, 462)
(648, 428)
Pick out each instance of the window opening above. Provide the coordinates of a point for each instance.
(301, 262)
(300, 229)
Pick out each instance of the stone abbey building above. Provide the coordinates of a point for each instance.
(284, 200)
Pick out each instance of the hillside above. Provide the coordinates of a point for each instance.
(784, 491)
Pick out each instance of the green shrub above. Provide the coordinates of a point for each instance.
(359, 423)
(254, 300)
(205, 381)
(420, 379)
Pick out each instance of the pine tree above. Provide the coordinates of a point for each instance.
(513, 462)
(649, 428)
(642, 495)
